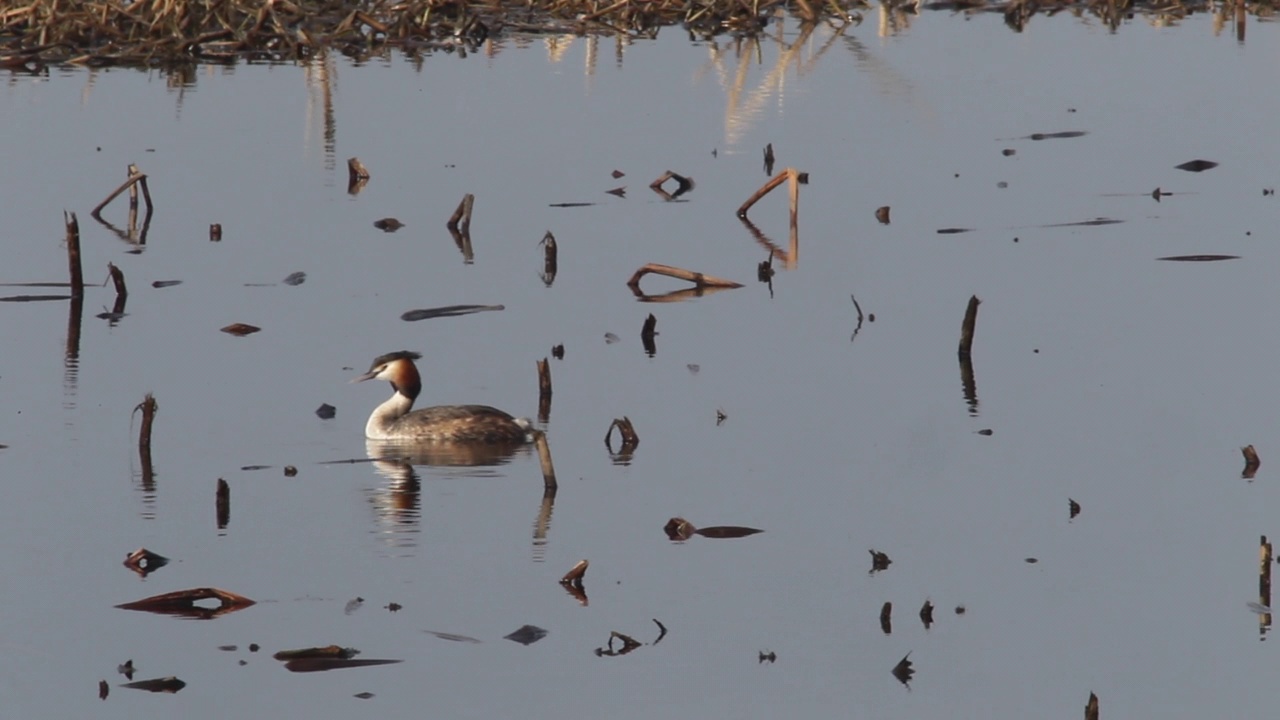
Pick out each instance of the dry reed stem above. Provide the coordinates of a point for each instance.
(73, 253)
(461, 218)
(126, 185)
(967, 327)
(699, 279)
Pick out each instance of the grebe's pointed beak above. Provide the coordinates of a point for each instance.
(367, 376)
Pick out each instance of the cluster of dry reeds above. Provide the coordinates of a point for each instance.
(141, 31)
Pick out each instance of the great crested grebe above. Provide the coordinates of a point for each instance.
(444, 423)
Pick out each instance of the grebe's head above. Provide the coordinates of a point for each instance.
(396, 368)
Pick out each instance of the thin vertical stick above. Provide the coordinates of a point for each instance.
(117, 279)
(148, 407)
(966, 328)
(73, 253)
(544, 390)
(222, 504)
(1264, 582)
(793, 186)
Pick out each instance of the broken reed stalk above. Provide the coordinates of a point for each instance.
(135, 176)
(117, 279)
(966, 328)
(790, 175)
(222, 504)
(356, 171)
(148, 408)
(461, 218)
(1264, 577)
(575, 574)
(544, 459)
(697, 278)
(1091, 709)
(73, 253)
(544, 390)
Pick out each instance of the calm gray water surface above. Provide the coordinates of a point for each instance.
(1108, 377)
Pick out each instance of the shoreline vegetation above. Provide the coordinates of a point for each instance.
(149, 33)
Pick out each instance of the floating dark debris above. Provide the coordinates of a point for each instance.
(768, 657)
(126, 669)
(617, 174)
(693, 368)
(557, 352)
(526, 635)
(985, 431)
(1251, 462)
(228, 648)
(1199, 258)
(683, 185)
(165, 283)
(326, 411)
(953, 231)
(1031, 560)
(240, 329)
(882, 214)
(183, 603)
(388, 224)
(903, 671)
(1196, 165)
(103, 689)
(677, 528)
(1084, 223)
(253, 468)
(393, 607)
(768, 159)
(452, 637)
(157, 685)
(570, 204)
(1066, 134)
(215, 232)
(295, 279)
(144, 562)
(1073, 508)
(448, 311)
(610, 338)
(879, 561)
(576, 573)
(353, 605)
(618, 191)
(628, 439)
(1008, 152)
(1091, 708)
(886, 618)
(926, 614)
(363, 695)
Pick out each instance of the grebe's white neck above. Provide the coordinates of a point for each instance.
(385, 416)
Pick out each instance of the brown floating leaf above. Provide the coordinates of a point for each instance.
(1196, 165)
(1199, 258)
(1073, 508)
(388, 224)
(215, 232)
(448, 311)
(677, 528)
(240, 329)
(1251, 462)
(617, 174)
(166, 685)
(183, 603)
(882, 214)
(144, 562)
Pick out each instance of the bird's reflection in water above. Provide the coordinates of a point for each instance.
(397, 500)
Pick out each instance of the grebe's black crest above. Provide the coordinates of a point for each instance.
(397, 355)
